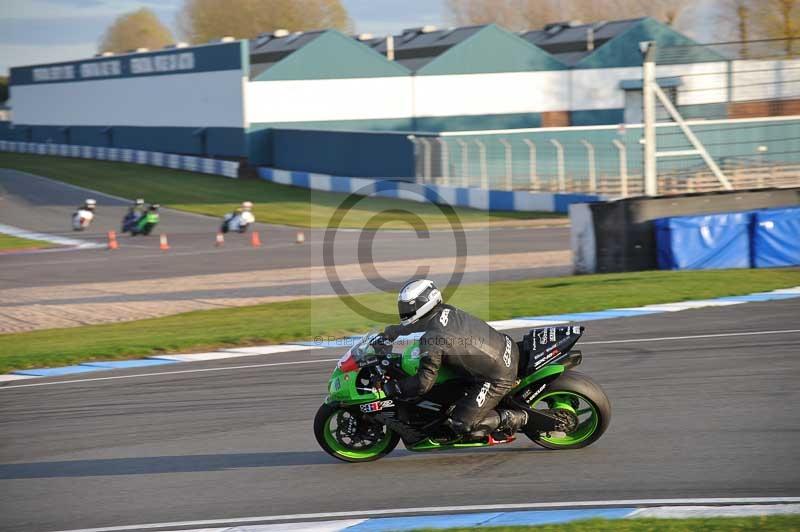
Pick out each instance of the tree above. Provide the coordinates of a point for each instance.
(137, 29)
(204, 20)
(533, 14)
(778, 19)
(3, 89)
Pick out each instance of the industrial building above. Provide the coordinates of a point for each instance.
(326, 102)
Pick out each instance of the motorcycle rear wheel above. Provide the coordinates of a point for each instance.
(580, 400)
(332, 440)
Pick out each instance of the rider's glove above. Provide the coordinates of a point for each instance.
(391, 332)
(392, 388)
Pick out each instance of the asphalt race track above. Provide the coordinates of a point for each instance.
(712, 416)
(39, 204)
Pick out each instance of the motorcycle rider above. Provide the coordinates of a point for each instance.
(466, 344)
(137, 209)
(239, 219)
(84, 212)
(134, 214)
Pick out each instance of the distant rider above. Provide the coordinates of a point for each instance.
(469, 346)
(84, 215)
(240, 219)
(134, 214)
(137, 209)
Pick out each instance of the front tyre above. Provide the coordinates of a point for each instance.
(583, 406)
(352, 438)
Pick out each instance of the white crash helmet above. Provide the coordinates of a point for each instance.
(417, 299)
(90, 203)
(247, 205)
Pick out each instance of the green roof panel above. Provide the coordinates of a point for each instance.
(623, 50)
(491, 50)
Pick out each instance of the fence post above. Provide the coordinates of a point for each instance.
(413, 140)
(560, 161)
(464, 162)
(649, 112)
(592, 169)
(484, 171)
(509, 167)
(623, 167)
(532, 160)
(444, 160)
(426, 160)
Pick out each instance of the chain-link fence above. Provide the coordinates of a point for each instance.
(595, 162)
(740, 102)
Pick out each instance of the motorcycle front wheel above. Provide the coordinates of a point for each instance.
(583, 406)
(349, 437)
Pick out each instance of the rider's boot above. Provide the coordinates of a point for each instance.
(511, 421)
(455, 431)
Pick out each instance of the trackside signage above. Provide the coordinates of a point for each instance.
(224, 56)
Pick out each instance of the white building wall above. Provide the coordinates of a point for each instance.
(766, 80)
(329, 99)
(491, 94)
(202, 99)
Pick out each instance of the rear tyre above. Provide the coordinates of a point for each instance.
(351, 438)
(581, 403)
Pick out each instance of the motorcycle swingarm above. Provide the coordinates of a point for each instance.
(537, 419)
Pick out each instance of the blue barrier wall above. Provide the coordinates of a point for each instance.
(776, 238)
(710, 241)
(761, 239)
(475, 198)
(354, 154)
(214, 141)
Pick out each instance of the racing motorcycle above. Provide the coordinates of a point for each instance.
(237, 221)
(145, 223)
(358, 423)
(81, 219)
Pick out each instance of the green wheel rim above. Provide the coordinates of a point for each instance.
(588, 417)
(355, 454)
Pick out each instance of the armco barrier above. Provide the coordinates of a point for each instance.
(152, 158)
(476, 198)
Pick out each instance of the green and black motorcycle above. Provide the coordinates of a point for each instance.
(358, 423)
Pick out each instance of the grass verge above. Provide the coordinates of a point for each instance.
(215, 195)
(307, 318)
(767, 523)
(8, 243)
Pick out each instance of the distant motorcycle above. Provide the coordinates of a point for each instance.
(82, 218)
(146, 222)
(133, 216)
(239, 220)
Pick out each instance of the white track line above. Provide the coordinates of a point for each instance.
(665, 338)
(298, 362)
(44, 237)
(295, 362)
(450, 509)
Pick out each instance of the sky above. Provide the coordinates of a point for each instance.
(47, 31)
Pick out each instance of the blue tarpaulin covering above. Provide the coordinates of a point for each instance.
(704, 242)
(776, 238)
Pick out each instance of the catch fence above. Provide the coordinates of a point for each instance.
(717, 116)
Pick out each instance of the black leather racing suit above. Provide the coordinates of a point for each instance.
(469, 346)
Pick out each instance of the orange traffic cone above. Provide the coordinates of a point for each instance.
(163, 244)
(112, 240)
(255, 240)
(301, 237)
(220, 239)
